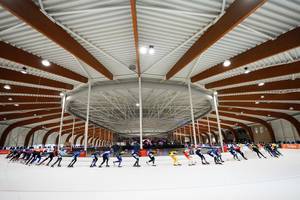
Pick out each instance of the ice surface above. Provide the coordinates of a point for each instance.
(248, 179)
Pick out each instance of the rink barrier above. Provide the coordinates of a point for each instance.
(4, 151)
(290, 146)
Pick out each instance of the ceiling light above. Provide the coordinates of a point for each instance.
(7, 87)
(46, 63)
(293, 77)
(226, 63)
(269, 115)
(24, 70)
(262, 96)
(291, 108)
(247, 71)
(151, 50)
(16, 104)
(256, 102)
(4, 118)
(143, 50)
(261, 84)
(10, 99)
(242, 113)
(34, 114)
(61, 94)
(137, 104)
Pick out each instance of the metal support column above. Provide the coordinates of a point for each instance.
(86, 129)
(93, 140)
(73, 127)
(61, 119)
(218, 121)
(192, 114)
(209, 133)
(141, 113)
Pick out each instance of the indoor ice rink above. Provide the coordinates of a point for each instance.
(149, 99)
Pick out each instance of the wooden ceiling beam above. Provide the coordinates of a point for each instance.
(36, 113)
(293, 96)
(12, 75)
(23, 99)
(276, 85)
(135, 34)
(235, 14)
(31, 14)
(20, 56)
(23, 107)
(18, 89)
(284, 42)
(264, 105)
(265, 73)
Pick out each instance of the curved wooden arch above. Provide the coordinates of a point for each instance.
(57, 137)
(68, 137)
(213, 125)
(47, 125)
(235, 123)
(76, 138)
(265, 113)
(252, 119)
(65, 129)
(26, 122)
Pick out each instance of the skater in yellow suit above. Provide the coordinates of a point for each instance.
(173, 155)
